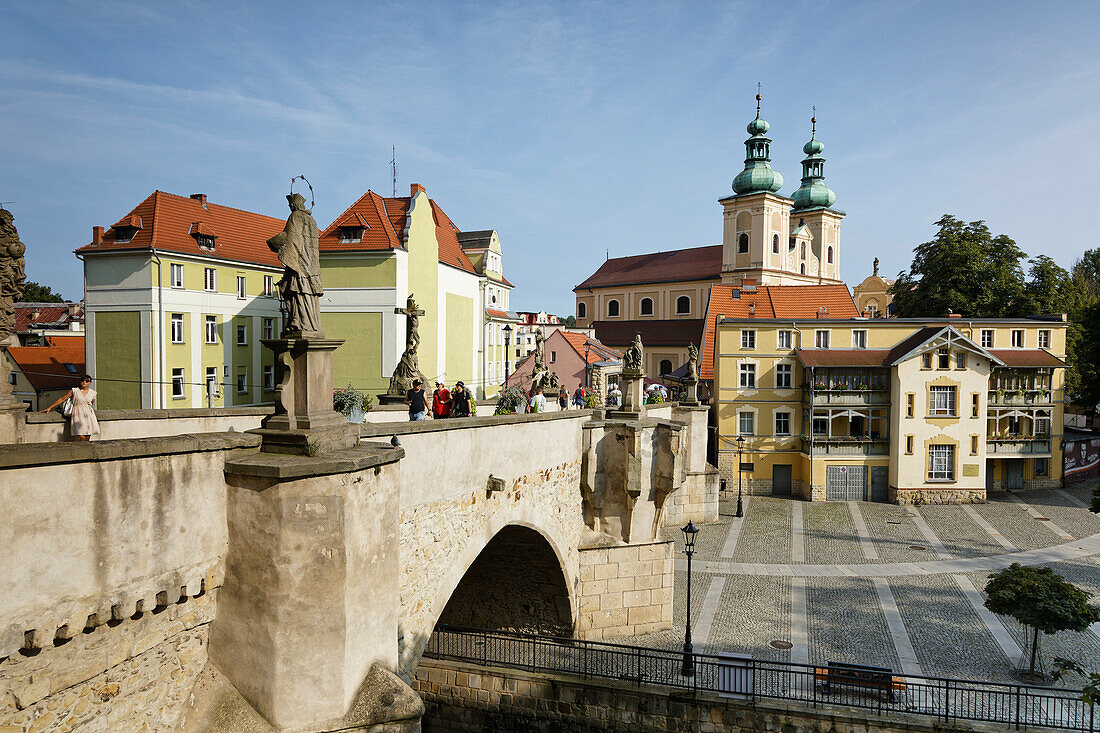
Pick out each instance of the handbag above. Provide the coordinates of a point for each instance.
(67, 408)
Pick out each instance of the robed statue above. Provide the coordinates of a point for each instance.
(693, 364)
(299, 251)
(540, 375)
(12, 272)
(632, 359)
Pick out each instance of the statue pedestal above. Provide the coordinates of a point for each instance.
(304, 422)
(692, 393)
(633, 397)
(391, 399)
(13, 413)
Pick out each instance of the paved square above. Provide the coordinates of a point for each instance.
(880, 584)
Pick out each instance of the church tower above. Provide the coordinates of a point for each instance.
(755, 226)
(815, 225)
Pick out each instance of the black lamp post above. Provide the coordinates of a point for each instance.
(688, 670)
(507, 347)
(740, 450)
(587, 377)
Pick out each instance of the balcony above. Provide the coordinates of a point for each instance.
(1020, 398)
(1013, 447)
(847, 446)
(826, 397)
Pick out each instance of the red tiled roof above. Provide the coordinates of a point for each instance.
(654, 333)
(695, 263)
(597, 352)
(48, 314)
(496, 314)
(843, 357)
(44, 366)
(1027, 358)
(771, 301)
(167, 221)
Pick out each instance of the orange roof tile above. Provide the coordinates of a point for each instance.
(597, 352)
(770, 301)
(166, 224)
(44, 366)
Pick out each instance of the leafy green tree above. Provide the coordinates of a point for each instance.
(35, 293)
(1049, 289)
(570, 321)
(964, 269)
(1083, 334)
(1041, 599)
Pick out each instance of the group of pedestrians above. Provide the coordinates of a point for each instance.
(444, 402)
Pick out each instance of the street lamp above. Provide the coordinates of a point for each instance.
(507, 346)
(688, 670)
(740, 465)
(587, 378)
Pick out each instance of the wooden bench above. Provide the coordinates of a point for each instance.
(856, 675)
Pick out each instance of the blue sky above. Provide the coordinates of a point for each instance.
(574, 129)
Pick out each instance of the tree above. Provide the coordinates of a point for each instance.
(964, 269)
(570, 321)
(1041, 599)
(1083, 334)
(35, 293)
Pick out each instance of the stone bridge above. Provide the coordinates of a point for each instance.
(191, 582)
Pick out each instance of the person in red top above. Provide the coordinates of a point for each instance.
(441, 401)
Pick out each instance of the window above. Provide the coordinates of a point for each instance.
(941, 401)
(268, 286)
(242, 334)
(1017, 339)
(802, 268)
(666, 367)
(269, 328)
(782, 423)
(941, 463)
(1040, 467)
(177, 384)
(13, 377)
(124, 234)
(553, 356)
(71, 368)
(177, 275)
(683, 305)
(742, 243)
(1040, 427)
(859, 339)
(987, 338)
(1044, 341)
(872, 309)
(943, 359)
(909, 444)
(784, 339)
(242, 381)
(209, 279)
(748, 339)
(211, 329)
(821, 339)
(829, 255)
(205, 241)
(748, 376)
(646, 307)
(269, 378)
(241, 292)
(960, 360)
(973, 445)
(613, 308)
(775, 244)
(351, 234)
(745, 423)
(909, 400)
(582, 310)
(177, 328)
(211, 383)
(926, 360)
(974, 404)
(820, 425)
(782, 376)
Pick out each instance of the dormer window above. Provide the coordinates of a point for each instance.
(351, 234)
(203, 236)
(205, 241)
(124, 234)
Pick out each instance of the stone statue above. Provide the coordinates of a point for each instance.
(298, 250)
(693, 364)
(540, 375)
(408, 368)
(412, 325)
(12, 273)
(632, 359)
(876, 267)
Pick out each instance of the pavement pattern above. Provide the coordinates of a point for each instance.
(880, 584)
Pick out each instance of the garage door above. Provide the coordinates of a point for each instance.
(845, 483)
(880, 483)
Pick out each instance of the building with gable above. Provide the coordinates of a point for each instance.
(577, 360)
(44, 371)
(873, 296)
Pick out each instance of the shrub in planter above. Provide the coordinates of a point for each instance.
(511, 401)
(348, 400)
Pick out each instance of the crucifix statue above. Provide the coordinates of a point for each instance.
(408, 368)
(412, 325)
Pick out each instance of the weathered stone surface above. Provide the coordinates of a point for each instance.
(286, 466)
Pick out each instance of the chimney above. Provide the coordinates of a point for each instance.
(97, 235)
(35, 314)
(74, 310)
(200, 197)
(415, 189)
(954, 315)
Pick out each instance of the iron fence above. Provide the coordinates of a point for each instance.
(737, 676)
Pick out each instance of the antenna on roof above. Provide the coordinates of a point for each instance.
(393, 166)
(607, 254)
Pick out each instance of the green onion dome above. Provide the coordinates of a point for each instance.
(813, 193)
(758, 175)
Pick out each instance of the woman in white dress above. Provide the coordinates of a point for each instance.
(82, 422)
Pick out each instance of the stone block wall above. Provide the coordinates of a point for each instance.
(727, 467)
(625, 590)
(936, 496)
(136, 674)
(696, 499)
(462, 698)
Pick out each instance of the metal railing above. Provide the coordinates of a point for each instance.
(1018, 446)
(940, 698)
(849, 446)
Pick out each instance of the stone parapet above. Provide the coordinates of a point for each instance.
(696, 500)
(625, 590)
(937, 496)
(127, 424)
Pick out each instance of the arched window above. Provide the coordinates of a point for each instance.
(646, 307)
(742, 243)
(612, 308)
(803, 267)
(775, 244)
(666, 367)
(830, 255)
(683, 304)
(582, 310)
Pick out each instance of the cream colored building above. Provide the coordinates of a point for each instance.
(900, 410)
(873, 296)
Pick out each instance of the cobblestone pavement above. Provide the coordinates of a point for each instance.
(919, 600)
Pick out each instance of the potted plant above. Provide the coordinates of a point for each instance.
(351, 403)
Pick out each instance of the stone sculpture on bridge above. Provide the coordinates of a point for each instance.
(12, 277)
(408, 368)
(691, 382)
(632, 376)
(298, 250)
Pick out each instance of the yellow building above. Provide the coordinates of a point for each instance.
(901, 410)
(873, 297)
